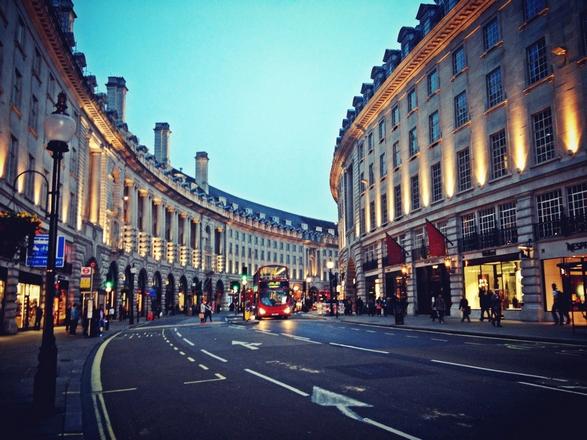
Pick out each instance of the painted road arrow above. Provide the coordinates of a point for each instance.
(323, 397)
(249, 345)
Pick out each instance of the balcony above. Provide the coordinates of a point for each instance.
(562, 227)
(494, 238)
(369, 265)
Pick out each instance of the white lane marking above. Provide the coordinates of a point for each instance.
(412, 336)
(267, 332)
(472, 343)
(175, 348)
(370, 331)
(249, 345)
(203, 367)
(182, 353)
(324, 397)
(439, 340)
(191, 359)
(301, 338)
(276, 382)
(178, 333)
(359, 348)
(139, 336)
(96, 385)
(188, 342)
(514, 373)
(356, 329)
(175, 329)
(119, 391)
(553, 388)
(390, 334)
(218, 377)
(213, 355)
(130, 337)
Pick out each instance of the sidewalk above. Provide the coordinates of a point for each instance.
(533, 331)
(18, 365)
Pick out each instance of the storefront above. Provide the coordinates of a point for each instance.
(432, 281)
(498, 273)
(373, 287)
(28, 298)
(396, 285)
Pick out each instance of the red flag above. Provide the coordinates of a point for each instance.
(395, 253)
(436, 241)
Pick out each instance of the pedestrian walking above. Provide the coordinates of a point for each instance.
(74, 319)
(38, 317)
(565, 305)
(208, 313)
(556, 305)
(440, 308)
(202, 314)
(484, 302)
(495, 309)
(433, 312)
(465, 309)
(67, 318)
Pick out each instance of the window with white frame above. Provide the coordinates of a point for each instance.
(487, 220)
(433, 82)
(577, 201)
(361, 150)
(381, 129)
(468, 227)
(436, 180)
(396, 157)
(415, 186)
(458, 60)
(395, 116)
(371, 175)
(507, 215)
(413, 142)
(549, 207)
(412, 102)
(383, 208)
(499, 154)
(536, 62)
(461, 109)
(433, 127)
(494, 87)
(397, 201)
(370, 142)
(463, 170)
(491, 34)
(543, 135)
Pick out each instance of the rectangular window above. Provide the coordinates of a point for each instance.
(433, 127)
(71, 210)
(415, 186)
(487, 220)
(549, 213)
(577, 201)
(532, 8)
(413, 142)
(412, 103)
(17, 89)
(361, 150)
(51, 88)
(372, 215)
(461, 109)
(37, 64)
(458, 60)
(468, 225)
(491, 33)
(433, 82)
(463, 170)
(507, 222)
(436, 177)
(370, 142)
(395, 115)
(397, 201)
(371, 175)
(543, 136)
(397, 160)
(499, 154)
(382, 165)
(536, 63)
(19, 35)
(382, 130)
(11, 163)
(34, 113)
(494, 87)
(383, 208)
(363, 220)
(29, 188)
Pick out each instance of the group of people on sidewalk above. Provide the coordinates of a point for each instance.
(490, 303)
(205, 311)
(561, 306)
(93, 324)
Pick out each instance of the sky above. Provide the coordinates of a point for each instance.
(262, 86)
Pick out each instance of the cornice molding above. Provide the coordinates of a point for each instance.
(457, 20)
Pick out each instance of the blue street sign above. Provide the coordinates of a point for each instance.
(40, 251)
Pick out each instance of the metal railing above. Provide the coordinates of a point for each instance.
(563, 227)
(493, 238)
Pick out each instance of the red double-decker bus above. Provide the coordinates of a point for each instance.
(272, 295)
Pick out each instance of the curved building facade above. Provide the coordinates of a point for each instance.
(154, 237)
(461, 167)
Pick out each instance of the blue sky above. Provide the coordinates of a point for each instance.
(262, 86)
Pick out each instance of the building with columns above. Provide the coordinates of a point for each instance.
(475, 125)
(153, 236)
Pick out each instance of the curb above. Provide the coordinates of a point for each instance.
(474, 333)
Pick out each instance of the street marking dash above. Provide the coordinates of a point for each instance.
(218, 377)
(119, 391)
(370, 331)
(276, 382)
(188, 341)
(203, 367)
(175, 348)
(178, 333)
(213, 355)
(412, 336)
(182, 353)
(514, 373)
(440, 340)
(359, 348)
(553, 389)
(191, 359)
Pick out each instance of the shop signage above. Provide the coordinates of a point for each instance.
(577, 246)
(488, 252)
(40, 251)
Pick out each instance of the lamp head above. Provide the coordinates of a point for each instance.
(59, 127)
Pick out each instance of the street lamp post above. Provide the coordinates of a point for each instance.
(59, 129)
(308, 281)
(131, 290)
(330, 266)
(244, 298)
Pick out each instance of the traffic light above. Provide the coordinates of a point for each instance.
(244, 277)
(108, 286)
(234, 286)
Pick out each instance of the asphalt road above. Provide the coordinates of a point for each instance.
(307, 378)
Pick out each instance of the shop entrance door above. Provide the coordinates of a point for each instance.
(432, 281)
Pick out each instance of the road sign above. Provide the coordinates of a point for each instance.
(86, 271)
(40, 251)
(85, 281)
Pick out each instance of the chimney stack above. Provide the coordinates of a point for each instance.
(162, 135)
(116, 91)
(202, 170)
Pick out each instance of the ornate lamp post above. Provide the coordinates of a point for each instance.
(330, 266)
(59, 129)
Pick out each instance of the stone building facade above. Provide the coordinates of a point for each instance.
(475, 125)
(144, 228)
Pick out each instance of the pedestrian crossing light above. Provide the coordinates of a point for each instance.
(108, 286)
(244, 278)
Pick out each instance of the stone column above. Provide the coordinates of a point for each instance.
(9, 318)
(94, 193)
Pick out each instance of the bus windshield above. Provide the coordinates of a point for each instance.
(273, 297)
